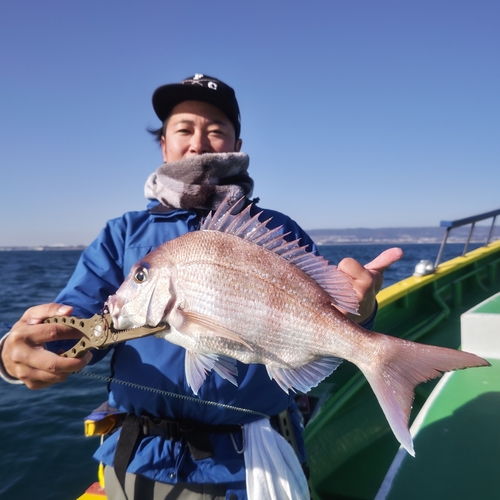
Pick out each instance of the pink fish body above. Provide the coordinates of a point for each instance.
(237, 290)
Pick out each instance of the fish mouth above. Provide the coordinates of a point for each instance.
(115, 307)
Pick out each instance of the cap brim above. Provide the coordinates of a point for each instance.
(165, 98)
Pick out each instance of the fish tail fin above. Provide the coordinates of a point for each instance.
(399, 369)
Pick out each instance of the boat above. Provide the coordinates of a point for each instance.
(456, 431)
(352, 452)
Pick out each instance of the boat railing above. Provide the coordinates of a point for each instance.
(425, 267)
(449, 225)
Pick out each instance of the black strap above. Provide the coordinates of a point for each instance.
(199, 444)
(134, 429)
(130, 437)
(197, 436)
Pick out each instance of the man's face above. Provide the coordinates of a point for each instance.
(196, 127)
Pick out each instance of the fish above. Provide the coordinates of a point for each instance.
(238, 290)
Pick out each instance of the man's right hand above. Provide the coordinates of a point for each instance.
(24, 356)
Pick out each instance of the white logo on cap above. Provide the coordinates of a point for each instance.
(198, 76)
(212, 85)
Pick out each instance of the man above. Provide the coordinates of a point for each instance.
(188, 449)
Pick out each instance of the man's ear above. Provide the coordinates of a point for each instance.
(163, 149)
(237, 146)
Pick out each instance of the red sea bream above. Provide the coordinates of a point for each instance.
(238, 290)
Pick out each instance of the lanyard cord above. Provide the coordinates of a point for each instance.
(172, 394)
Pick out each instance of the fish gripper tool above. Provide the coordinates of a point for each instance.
(99, 333)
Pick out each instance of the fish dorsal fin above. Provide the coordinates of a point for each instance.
(229, 218)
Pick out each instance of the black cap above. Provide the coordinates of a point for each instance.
(198, 88)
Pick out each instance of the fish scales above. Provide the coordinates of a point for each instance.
(259, 296)
(238, 290)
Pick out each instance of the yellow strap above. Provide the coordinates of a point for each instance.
(101, 427)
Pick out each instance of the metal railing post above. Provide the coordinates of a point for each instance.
(491, 230)
(449, 225)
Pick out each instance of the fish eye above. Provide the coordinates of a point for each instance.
(141, 275)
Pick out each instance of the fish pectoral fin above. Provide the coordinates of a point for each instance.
(197, 365)
(192, 321)
(305, 377)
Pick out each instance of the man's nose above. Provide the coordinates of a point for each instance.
(199, 143)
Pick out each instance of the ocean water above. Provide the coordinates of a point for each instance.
(44, 454)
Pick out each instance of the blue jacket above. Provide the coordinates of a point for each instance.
(155, 365)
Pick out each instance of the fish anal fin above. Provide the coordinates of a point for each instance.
(407, 364)
(305, 377)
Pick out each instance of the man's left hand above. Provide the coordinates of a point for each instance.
(367, 280)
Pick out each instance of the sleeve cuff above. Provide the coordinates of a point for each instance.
(3, 371)
(368, 323)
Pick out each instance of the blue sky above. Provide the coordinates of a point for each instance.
(355, 113)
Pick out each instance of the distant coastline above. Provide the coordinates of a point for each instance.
(355, 236)
(398, 235)
(42, 248)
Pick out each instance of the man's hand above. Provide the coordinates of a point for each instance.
(24, 356)
(367, 280)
